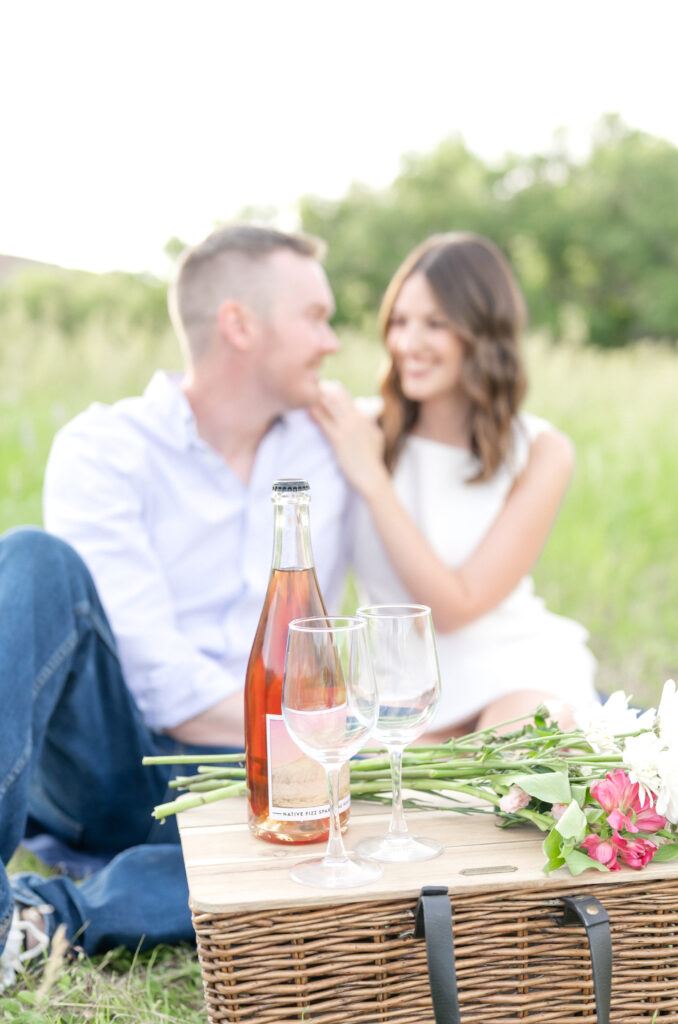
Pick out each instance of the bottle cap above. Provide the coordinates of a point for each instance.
(293, 486)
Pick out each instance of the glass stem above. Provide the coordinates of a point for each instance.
(335, 844)
(398, 826)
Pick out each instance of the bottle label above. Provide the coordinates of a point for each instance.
(297, 785)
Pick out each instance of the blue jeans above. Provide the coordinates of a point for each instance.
(71, 744)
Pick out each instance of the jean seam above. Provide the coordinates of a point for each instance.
(17, 769)
(53, 663)
(45, 673)
(6, 921)
(84, 610)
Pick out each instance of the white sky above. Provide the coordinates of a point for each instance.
(124, 123)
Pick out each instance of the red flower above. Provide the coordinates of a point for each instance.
(635, 852)
(619, 797)
(603, 850)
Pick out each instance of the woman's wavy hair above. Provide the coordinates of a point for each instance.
(475, 288)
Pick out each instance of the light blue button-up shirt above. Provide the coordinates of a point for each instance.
(179, 548)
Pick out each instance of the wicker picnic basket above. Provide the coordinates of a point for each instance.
(273, 952)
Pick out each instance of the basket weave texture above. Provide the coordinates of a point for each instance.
(360, 962)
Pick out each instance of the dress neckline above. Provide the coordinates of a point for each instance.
(440, 444)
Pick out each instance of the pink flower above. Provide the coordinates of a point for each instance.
(602, 850)
(514, 800)
(558, 810)
(620, 798)
(635, 852)
(648, 819)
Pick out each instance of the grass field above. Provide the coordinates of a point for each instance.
(611, 561)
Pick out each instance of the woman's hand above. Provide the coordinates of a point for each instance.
(357, 441)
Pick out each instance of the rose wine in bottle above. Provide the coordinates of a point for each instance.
(287, 790)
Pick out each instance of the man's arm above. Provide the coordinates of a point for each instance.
(95, 498)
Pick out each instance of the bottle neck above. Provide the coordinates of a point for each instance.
(292, 534)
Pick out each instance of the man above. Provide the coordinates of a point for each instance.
(165, 499)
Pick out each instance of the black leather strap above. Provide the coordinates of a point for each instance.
(593, 916)
(433, 921)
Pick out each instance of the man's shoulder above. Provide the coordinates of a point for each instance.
(302, 432)
(105, 438)
(100, 422)
(308, 453)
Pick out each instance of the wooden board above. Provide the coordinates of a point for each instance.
(230, 870)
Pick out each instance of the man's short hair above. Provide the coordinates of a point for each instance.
(226, 265)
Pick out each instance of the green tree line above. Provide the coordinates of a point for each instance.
(594, 242)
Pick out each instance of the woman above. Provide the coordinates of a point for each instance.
(459, 490)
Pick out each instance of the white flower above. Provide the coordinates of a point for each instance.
(554, 707)
(602, 723)
(667, 716)
(667, 799)
(642, 757)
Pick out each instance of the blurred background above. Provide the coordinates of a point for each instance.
(131, 129)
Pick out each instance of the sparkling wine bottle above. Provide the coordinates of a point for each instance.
(287, 790)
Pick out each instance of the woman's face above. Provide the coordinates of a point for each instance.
(425, 349)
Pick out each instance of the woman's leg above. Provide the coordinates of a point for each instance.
(523, 703)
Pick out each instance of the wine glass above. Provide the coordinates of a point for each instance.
(403, 650)
(329, 704)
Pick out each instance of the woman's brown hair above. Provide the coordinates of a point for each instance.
(476, 290)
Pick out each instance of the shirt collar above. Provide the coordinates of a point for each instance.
(171, 409)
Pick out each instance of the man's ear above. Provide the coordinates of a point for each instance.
(236, 325)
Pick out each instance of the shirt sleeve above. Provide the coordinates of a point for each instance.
(95, 498)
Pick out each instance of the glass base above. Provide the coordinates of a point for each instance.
(336, 873)
(393, 848)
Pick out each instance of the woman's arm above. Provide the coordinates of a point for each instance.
(507, 552)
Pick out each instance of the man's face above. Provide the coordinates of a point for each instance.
(295, 334)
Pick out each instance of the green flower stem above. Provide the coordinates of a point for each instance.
(596, 759)
(455, 770)
(184, 803)
(201, 787)
(489, 731)
(542, 821)
(186, 781)
(194, 758)
(368, 787)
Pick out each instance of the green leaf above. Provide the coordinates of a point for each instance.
(552, 851)
(578, 862)
(573, 823)
(667, 852)
(594, 814)
(552, 787)
(579, 791)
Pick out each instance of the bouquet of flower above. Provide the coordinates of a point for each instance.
(605, 792)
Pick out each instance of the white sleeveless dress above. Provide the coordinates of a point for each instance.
(519, 645)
